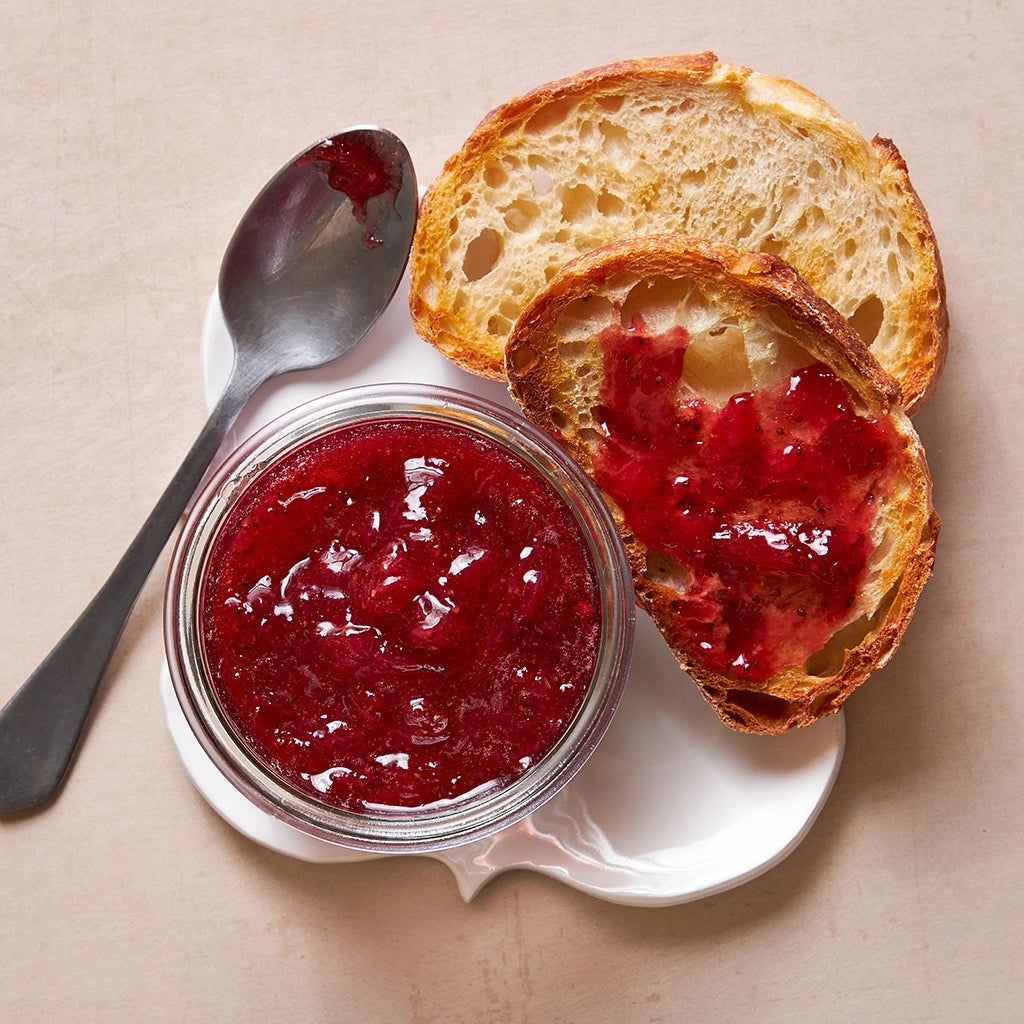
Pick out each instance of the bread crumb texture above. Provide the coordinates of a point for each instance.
(684, 145)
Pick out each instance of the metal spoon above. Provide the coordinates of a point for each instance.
(313, 263)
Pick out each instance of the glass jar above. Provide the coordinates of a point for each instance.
(440, 824)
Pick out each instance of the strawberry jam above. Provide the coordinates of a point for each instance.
(355, 168)
(399, 613)
(766, 502)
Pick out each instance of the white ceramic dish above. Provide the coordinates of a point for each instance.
(673, 806)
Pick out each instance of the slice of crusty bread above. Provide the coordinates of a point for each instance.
(643, 357)
(684, 145)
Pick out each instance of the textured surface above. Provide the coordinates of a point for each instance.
(691, 146)
(749, 323)
(135, 134)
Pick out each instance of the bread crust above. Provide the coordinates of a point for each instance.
(485, 242)
(747, 288)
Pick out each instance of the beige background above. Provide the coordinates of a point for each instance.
(134, 133)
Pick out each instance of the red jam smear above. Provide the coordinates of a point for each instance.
(401, 613)
(359, 171)
(766, 502)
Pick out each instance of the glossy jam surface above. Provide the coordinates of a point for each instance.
(765, 502)
(400, 613)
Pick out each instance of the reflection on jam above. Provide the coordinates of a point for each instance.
(766, 502)
(358, 170)
(401, 613)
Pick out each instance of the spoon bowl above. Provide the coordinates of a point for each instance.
(315, 260)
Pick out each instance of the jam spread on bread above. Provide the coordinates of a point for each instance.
(398, 613)
(766, 503)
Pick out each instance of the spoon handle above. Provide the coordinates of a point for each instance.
(41, 724)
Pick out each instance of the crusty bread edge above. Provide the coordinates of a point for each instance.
(921, 380)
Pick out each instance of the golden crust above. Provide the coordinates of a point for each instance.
(920, 376)
(464, 300)
(753, 289)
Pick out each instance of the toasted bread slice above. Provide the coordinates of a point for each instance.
(682, 145)
(772, 494)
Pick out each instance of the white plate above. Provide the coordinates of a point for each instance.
(673, 805)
